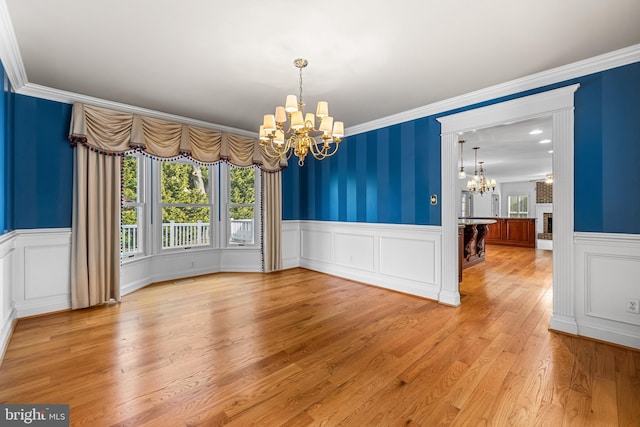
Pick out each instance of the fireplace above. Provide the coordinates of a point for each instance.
(547, 226)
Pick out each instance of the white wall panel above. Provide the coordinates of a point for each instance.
(315, 245)
(408, 259)
(607, 275)
(290, 244)
(39, 282)
(7, 310)
(42, 271)
(354, 251)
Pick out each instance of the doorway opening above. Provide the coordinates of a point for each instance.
(559, 104)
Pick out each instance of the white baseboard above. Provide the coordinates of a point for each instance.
(546, 245)
(564, 324)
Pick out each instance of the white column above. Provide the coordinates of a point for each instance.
(563, 318)
(449, 292)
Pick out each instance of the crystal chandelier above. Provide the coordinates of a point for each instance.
(480, 184)
(300, 136)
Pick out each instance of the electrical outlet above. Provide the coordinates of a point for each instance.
(633, 305)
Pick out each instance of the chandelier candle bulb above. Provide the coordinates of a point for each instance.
(279, 139)
(296, 120)
(292, 104)
(281, 115)
(269, 123)
(326, 125)
(323, 109)
(338, 129)
(310, 120)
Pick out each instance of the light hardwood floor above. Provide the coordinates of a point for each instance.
(302, 348)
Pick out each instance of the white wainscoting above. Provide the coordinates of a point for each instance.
(290, 244)
(140, 272)
(607, 275)
(42, 273)
(40, 268)
(404, 258)
(7, 307)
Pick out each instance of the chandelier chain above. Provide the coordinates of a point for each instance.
(300, 101)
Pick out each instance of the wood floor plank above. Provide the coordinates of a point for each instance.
(301, 348)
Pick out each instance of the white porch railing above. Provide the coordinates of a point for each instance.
(179, 235)
(128, 238)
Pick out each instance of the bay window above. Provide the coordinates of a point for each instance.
(196, 206)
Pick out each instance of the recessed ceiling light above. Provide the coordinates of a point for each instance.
(550, 151)
(544, 141)
(535, 132)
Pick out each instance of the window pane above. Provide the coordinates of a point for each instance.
(129, 230)
(242, 185)
(184, 183)
(185, 226)
(513, 204)
(241, 223)
(524, 204)
(130, 179)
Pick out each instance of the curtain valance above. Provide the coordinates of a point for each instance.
(114, 132)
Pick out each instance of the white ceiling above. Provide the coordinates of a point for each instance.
(228, 63)
(509, 152)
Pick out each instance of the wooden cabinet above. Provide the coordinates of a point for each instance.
(513, 232)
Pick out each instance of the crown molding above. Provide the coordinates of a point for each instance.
(596, 64)
(12, 61)
(9, 50)
(44, 92)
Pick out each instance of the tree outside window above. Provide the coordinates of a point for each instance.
(132, 207)
(242, 199)
(186, 205)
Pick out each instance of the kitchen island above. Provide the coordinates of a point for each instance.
(473, 240)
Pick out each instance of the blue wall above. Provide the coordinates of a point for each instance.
(381, 176)
(6, 136)
(43, 164)
(4, 111)
(386, 175)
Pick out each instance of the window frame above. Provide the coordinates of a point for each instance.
(141, 205)
(518, 213)
(225, 172)
(159, 205)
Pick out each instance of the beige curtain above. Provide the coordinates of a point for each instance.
(272, 220)
(95, 248)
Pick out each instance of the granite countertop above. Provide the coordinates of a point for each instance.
(475, 221)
